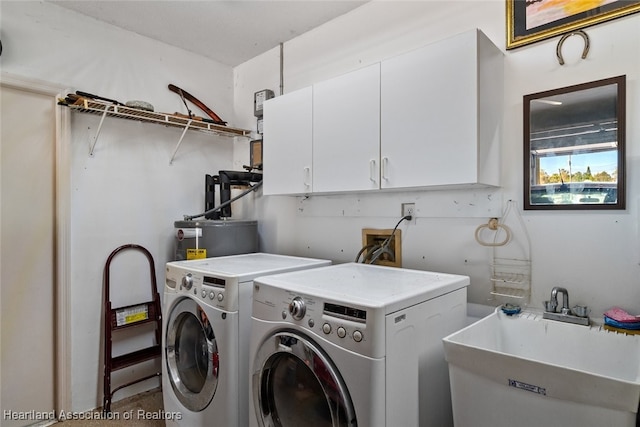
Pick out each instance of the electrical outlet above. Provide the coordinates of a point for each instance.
(409, 209)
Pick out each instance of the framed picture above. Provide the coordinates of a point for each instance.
(529, 21)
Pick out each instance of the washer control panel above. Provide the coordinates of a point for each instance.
(209, 289)
(341, 324)
(213, 289)
(355, 327)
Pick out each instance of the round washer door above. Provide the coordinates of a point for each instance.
(295, 383)
(191, 355)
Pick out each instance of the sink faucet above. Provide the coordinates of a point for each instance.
(565, 314)
(565, 299)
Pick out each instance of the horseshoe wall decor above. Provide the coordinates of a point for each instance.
(580, 33)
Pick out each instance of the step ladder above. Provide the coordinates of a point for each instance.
(130, 316)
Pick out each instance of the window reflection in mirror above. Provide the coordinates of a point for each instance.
(574, 147)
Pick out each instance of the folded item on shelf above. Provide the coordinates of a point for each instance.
(621, 325)
(620, 330)
(620, 315)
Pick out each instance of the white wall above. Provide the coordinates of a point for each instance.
(126, 192)
(595, 255)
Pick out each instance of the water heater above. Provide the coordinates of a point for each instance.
(210, 238)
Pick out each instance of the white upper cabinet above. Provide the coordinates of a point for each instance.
(430, 118)
(287, 143)
(441, 111)
(346, 132)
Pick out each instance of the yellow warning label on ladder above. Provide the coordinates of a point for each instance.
(129, 315)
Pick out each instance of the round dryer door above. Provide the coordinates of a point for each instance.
(295, 384)
(192, 355)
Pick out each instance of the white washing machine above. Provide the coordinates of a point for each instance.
(353, 345)
(205, 340)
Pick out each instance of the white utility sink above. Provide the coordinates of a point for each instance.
(524, 370)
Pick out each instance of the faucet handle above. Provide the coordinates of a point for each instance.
(581, 311)
(550, 306)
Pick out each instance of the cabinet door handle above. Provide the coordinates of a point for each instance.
(385, 167)
(306, 178)
(372, 170)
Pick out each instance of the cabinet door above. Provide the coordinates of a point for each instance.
(429, 108)
(346, 132)
(287, 142)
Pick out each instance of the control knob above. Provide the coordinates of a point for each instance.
(187, 281)
(297, 309)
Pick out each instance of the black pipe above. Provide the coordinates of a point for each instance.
(254, 187)
(229, 178)
(210, 182)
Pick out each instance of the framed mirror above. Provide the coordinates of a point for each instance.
(574, 150)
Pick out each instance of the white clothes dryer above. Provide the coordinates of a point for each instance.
(353, 345)
(205, 340)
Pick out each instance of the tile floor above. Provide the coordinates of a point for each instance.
(139, 411)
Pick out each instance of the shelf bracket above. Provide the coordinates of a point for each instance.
(184, 131)
(95, 138)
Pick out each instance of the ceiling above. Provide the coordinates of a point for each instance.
(228, 31)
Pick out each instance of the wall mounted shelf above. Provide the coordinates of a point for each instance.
(107, 109)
